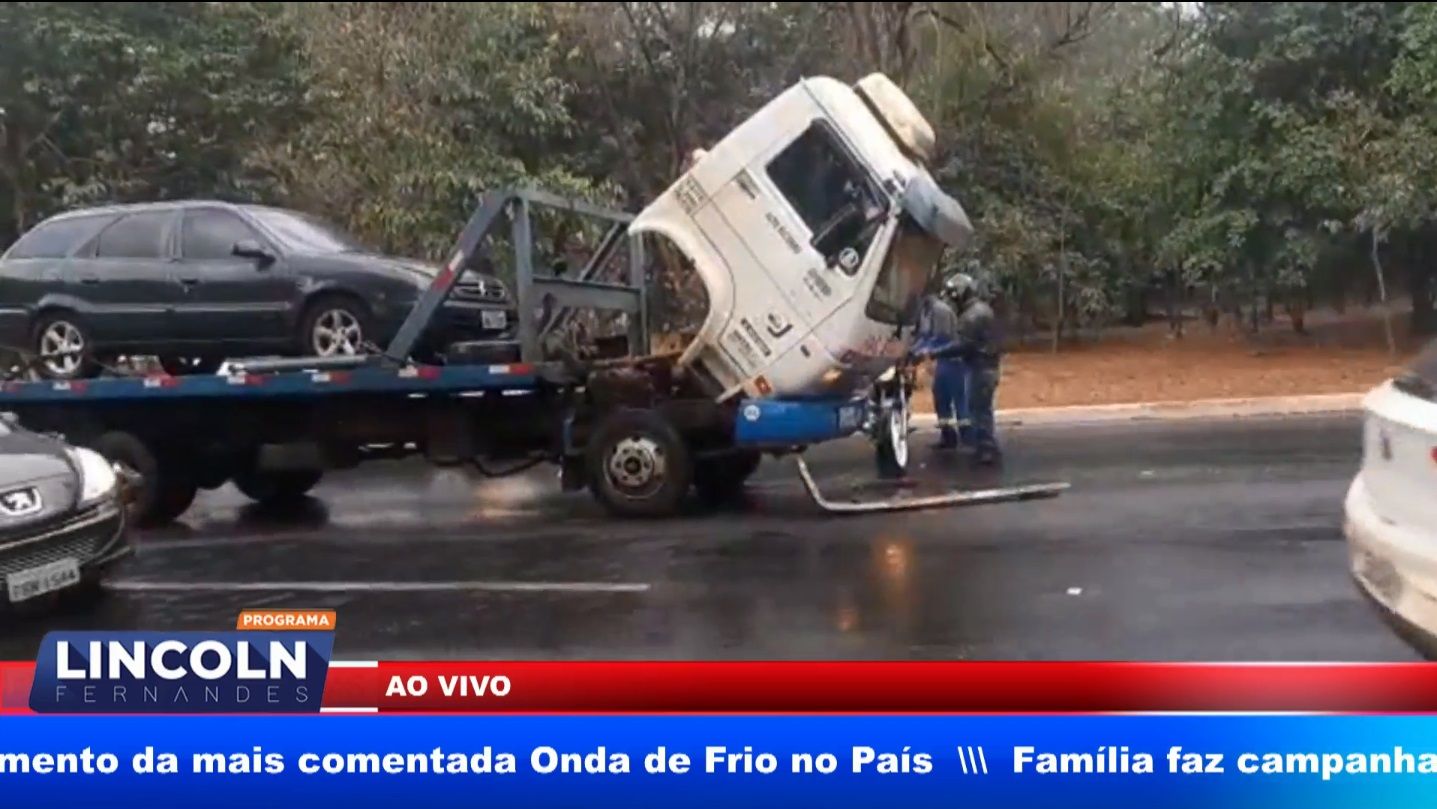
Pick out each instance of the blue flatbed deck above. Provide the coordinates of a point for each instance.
(378, 379)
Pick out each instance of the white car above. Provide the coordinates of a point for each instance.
(62, 517)
(1391, 507)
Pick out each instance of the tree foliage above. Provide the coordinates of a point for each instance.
(1228, 156)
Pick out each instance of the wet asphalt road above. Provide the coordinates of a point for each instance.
(1182, 541)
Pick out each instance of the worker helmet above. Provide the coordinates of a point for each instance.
(960, 288)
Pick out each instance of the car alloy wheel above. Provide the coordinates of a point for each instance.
(62, 348)
(336, 332)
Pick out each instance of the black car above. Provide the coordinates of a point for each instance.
(62, 516)
(194, 282)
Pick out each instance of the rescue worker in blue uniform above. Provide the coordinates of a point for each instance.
(937, 326)
(976, 343)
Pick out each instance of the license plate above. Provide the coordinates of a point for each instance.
(38, 581)
(494, 319)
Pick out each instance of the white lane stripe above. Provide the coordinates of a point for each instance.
(354, 664)
(377, 587)
(349, 710)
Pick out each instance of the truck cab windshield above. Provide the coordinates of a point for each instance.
(912, 259)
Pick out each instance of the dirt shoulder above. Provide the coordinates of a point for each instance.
(1147, 365)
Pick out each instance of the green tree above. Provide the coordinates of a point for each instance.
(111, 101)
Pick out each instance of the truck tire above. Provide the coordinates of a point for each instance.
(277, 488)
(165, 489)
(175, 496)
(721, 479)
(638, 464)
(892, 443)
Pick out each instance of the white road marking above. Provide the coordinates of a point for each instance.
(161, 544)
(377, 587)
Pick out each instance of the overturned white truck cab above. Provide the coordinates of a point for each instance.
(815, 227)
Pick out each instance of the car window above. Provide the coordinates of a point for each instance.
(58, 238)
(212, 234)
(304, 233)
(820, 179)
(139, 235)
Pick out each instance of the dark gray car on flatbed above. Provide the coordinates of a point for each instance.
(196, 281)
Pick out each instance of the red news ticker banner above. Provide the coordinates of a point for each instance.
(815, 687)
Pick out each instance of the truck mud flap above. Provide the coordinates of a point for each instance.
(970, 497)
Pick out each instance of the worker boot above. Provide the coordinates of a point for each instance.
(947, 438)
(988, 456)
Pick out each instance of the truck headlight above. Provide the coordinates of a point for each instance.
(97, 477)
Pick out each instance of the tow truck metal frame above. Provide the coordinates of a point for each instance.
(584, 292)
(439, 408)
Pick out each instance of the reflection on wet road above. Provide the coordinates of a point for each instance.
(1182, 541)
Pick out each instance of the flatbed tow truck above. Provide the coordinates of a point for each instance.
(640, 430)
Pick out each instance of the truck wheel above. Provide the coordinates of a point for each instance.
(277, 488)
(719, 479)
(892, 441)
(174, 497)
(165, 488)
(638, 464)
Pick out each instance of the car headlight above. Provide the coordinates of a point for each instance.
(97, 476)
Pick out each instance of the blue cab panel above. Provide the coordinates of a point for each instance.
(786, 422)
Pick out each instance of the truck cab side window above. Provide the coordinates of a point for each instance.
(138, 235)
(212, 235)
(830, 191)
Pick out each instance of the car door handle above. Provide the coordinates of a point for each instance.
(189, 281)
(90, 279)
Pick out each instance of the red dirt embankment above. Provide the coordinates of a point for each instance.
(1339, 355)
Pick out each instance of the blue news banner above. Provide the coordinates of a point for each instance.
(699, 761)
(229, 719)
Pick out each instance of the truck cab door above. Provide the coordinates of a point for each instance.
(808, 211)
